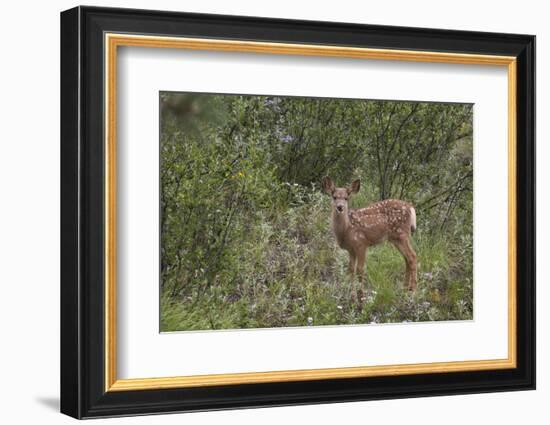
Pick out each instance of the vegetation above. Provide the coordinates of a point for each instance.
(245, 228)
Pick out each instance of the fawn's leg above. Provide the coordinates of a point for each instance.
(352, 263)
(403, 244)
(413, 267)
(361, 256)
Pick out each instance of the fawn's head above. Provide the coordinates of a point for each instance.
(340, 195)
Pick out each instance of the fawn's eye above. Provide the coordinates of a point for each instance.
(345, 199)
(334, 197)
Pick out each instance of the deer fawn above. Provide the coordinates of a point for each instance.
(357, 229)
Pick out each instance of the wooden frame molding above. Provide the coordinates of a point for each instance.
(114, 40)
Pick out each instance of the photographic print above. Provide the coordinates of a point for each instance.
(280, 211)
(325, 194)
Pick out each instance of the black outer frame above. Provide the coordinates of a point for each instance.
(82, 217)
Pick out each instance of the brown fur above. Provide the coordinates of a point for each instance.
(357, 229)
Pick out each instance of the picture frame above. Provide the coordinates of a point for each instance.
(90, 40)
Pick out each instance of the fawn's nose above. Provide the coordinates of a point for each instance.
(339, 208)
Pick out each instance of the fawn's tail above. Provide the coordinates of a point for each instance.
(413, 220)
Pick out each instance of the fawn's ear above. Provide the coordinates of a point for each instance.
(327, 185)
(355, 186)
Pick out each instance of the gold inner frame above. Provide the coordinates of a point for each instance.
(113, 41)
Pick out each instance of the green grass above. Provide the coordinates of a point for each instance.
(288, 271)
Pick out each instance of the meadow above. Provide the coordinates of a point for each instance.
(245, 227)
